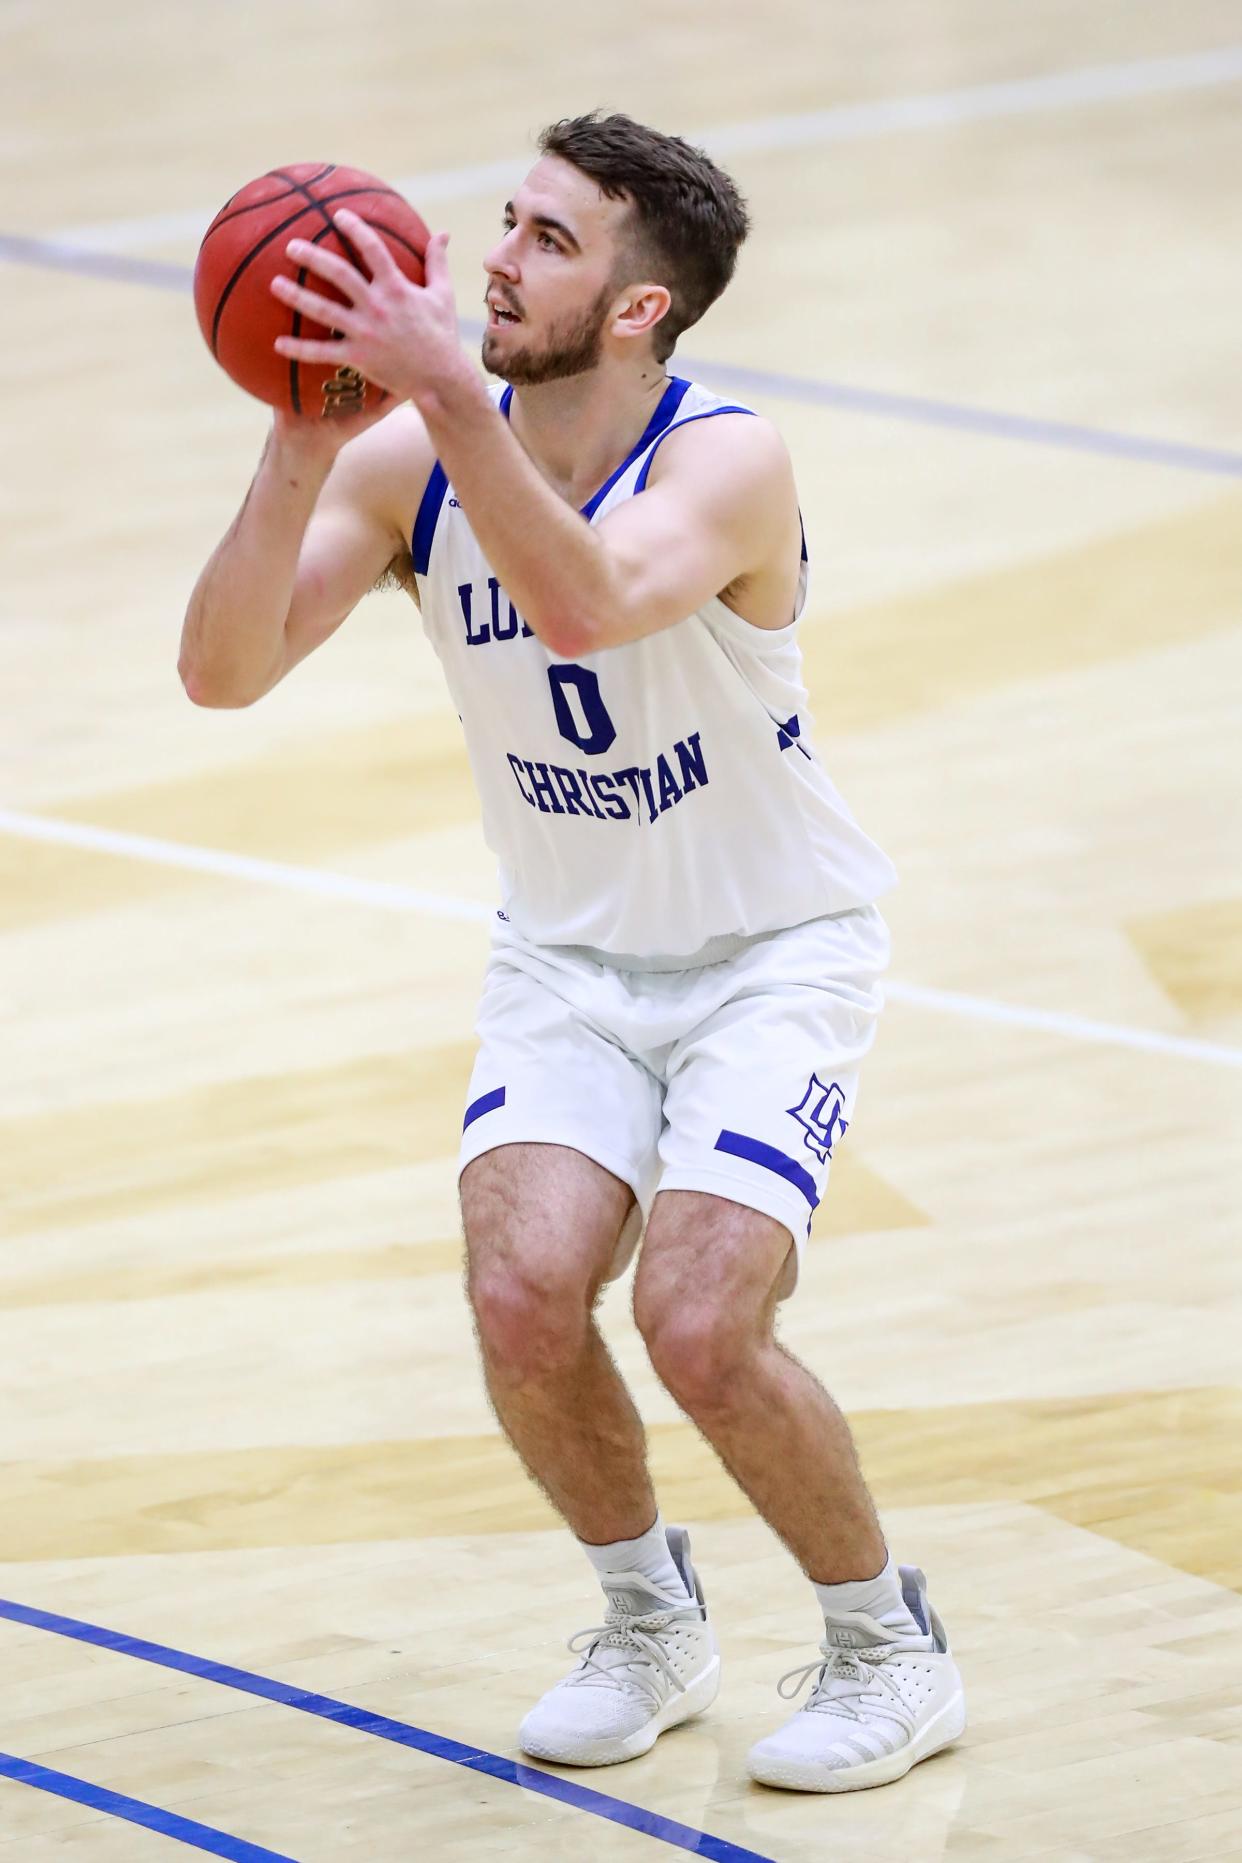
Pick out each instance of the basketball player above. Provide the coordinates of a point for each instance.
(683, 982)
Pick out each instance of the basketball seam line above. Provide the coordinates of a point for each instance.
(303, 188)
(292, 220)
(224, 216)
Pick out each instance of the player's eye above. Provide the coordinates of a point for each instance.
(547, 240)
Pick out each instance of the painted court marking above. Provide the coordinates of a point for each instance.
(98, 251)
(136, 1811)
(861, 122)
(390, 897)
(381, 1727)
(917, 410)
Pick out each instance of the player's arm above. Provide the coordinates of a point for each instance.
(320, 523)
(719, 513)
(713, 518)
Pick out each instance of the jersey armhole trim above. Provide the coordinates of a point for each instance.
(428, 516)
(640, 484)
(735, 623)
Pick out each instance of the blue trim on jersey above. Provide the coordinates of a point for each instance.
(657, 427)
(427, 519)
(711, 413)
(486, 1103)
(756, 1152)
(672, 398)
(802, 528)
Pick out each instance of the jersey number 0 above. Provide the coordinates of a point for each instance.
(581, 715)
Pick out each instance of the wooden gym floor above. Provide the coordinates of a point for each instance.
(992, 300)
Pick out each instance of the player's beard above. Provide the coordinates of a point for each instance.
(571, 347)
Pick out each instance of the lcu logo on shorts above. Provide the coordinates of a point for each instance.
(819, 1113)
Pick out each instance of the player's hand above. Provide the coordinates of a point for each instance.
(315, 436)
(401, 336)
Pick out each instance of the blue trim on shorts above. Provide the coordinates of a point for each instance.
(756, 1152)
(486, 1103)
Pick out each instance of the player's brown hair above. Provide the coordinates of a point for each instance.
(688, 218)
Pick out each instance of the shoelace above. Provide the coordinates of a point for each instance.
(634, 1638)
(857, 1671)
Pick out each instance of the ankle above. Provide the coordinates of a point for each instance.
(880, 1597)
(647, 1555)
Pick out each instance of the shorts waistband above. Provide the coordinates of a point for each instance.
(715, 951)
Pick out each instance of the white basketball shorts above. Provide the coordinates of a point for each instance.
(737, 1077)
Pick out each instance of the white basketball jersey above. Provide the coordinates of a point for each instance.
(651, 799)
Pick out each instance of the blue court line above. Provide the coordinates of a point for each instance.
(17, 249)
(916, 410)
(993, 423)
(135, 1811)
(380, 1727)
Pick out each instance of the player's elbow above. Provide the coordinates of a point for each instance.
(203, 688)
(587, 625)
(571, 635)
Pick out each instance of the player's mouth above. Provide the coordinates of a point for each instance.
(500, 314)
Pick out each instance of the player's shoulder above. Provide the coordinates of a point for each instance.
(399, 440)
(724, 444)
(387, 467)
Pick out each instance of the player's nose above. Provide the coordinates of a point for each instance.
(501, 262)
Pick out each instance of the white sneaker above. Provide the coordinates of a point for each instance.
(881, 1703)
(652, 1663)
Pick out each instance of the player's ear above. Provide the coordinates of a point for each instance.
(640, 309)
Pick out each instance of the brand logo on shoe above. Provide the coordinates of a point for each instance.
(845, 1639)
(819, 1113)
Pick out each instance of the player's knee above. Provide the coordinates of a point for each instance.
(530, 1324)
(696, 1353)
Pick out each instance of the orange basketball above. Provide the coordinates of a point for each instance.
(244, 248)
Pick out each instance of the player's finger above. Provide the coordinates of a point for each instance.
(323, 310)
(435, 260)
(302, 349)
(329, 265)
(355, 231)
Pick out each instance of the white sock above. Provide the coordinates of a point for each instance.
(880, 1597)
(648, 1555)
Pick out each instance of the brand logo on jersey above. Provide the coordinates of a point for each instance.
(819, 1113)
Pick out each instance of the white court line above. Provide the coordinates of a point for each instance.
(393, 898)
(239, 867)
(1058, 90)
(1054, 1022)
